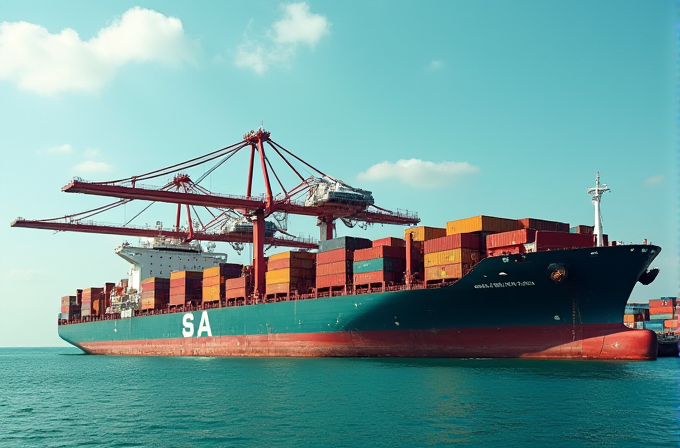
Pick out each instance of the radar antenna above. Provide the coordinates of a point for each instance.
(596, 193)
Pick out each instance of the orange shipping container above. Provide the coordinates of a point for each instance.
(186, 274)
(482, 223)
(671, 324)
(285, 263)
(628, 318)
(339, 267)
(151, 303)
(213, 281)
(288, 275)
(451, 256)
(389, 241)
(423, 233)
(446, 272)
(512, 238)
(293, 254)
(212, 293)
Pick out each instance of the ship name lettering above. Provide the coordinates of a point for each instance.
(492, 285)
(188, 325)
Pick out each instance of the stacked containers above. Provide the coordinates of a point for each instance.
(288, 272)
(546, 240)
(481, 223)
(662, 310)
(70, 309)
(214, 281)
(239, 288)
(185, 287)
(418, 237)
(514, 242)
(450, 257)
(155, 293)
(334, 262)
(91, 304)
(379, 265)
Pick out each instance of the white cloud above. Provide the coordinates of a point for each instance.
(61, 149)
(21, 274)
(299, 26)
(92, 152)
(657, 179)
(435, 65)
(46, 63)
(90, 166)
(419, 173)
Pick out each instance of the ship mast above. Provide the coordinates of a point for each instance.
(596, 193)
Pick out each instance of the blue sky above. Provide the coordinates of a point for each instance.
(448, 108)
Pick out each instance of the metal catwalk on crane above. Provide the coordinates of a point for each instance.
(318, 195)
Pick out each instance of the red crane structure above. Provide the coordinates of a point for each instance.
(321, 196)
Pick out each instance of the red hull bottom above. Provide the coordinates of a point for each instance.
(606, 341)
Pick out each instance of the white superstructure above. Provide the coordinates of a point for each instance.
(157, 257)
(596, 194)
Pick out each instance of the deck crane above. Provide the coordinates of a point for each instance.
(320, 195)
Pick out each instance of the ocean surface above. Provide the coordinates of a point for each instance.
(59, 397)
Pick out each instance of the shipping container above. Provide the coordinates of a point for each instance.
(509, 250)
(671, 324)
(660, 310)
(379, 252)
(213, 293)
(653, 325)
(333, 280)
(388, 277)
(288, 288)
(504, 239)
(424, 233)
(482, 223)
(236, 283)
(152, 303)
(186, 283)
(291, 275)
(559, 240)
(629, 318)
(446, 272)
(345, 242)
(451, 256)
(227, 270)
(213, 281)
(339, 267)
(379, 264)
(389, 241)
(155, 284)
(666, 301)
(585, 230)
(639, 325)
(333, 256)
(287, 263)
(664, 316)
(69, 301)
(540, 224)
(186, 274)
(300, 255)
(457, 241)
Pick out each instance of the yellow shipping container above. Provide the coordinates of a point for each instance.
(482, 223)
(423, 233)
(293, 254)
(288, 275)
(450, 256)
(211, 272)
(629, 317)
(212, 293)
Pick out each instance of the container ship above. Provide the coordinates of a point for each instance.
(479, 287)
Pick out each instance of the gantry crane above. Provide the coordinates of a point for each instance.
(319, 195)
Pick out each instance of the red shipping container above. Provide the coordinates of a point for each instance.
(333, 256)
(585, 230)
(390, 241)
(560, 240)
(513, 238)
(340, 267)
(457, 241)
(237, 283)
(378, 277)
(506, 250)
(380, 252)
(332, 280)
(661, 310)
(661, 302)
(540, 224)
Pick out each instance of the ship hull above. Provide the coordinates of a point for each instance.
(505, 307)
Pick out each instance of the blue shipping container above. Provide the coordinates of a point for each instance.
(662, 317)
(379, 264)
(653, 325)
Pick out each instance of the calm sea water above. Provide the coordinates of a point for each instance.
(58, 397)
